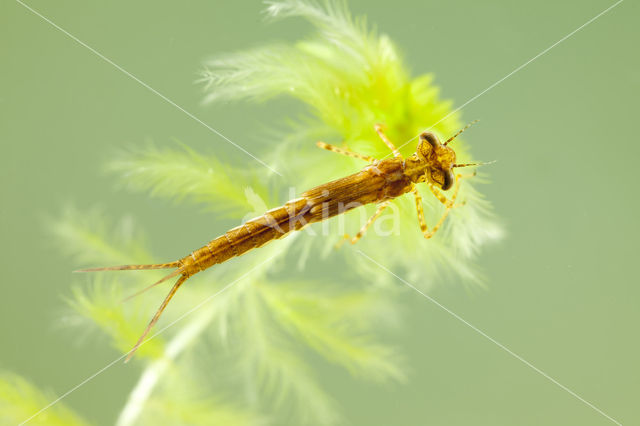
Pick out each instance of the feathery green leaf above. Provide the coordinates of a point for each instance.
(19, 400)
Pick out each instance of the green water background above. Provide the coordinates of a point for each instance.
(562, 287)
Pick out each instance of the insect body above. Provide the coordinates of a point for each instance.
(379, 182)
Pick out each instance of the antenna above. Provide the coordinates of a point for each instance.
(458, 134)
(474, 164)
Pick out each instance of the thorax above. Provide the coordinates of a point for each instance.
(399, 175)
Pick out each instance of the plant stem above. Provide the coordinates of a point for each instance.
(152, 374)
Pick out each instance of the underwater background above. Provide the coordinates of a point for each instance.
(559, 289)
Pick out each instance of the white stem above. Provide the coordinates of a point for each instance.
(150, 376)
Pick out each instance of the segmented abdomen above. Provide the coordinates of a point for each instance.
(375, 183)
(254, 233)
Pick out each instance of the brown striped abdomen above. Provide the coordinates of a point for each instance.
(254, 233)
(378, 182)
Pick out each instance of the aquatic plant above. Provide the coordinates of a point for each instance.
(244, 356)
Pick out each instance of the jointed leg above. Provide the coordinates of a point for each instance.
(346, 152)
(378, 128)
(441, 197)
(420, 210)
(366, 226)
(423, 223)
(429, 234)
(449, 204)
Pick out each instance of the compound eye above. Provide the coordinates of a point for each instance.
(431, 138)
(428, 143)
(448, 180)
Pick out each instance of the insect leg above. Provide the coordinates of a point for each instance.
(423, 223)
(441, 197)
(366, 226)
(379, 130)
(346, 152)
(449, 204)
(420, 210)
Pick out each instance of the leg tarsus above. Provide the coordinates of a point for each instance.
(366, 226)
(449, 204)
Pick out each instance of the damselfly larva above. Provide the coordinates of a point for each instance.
(379, 182)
